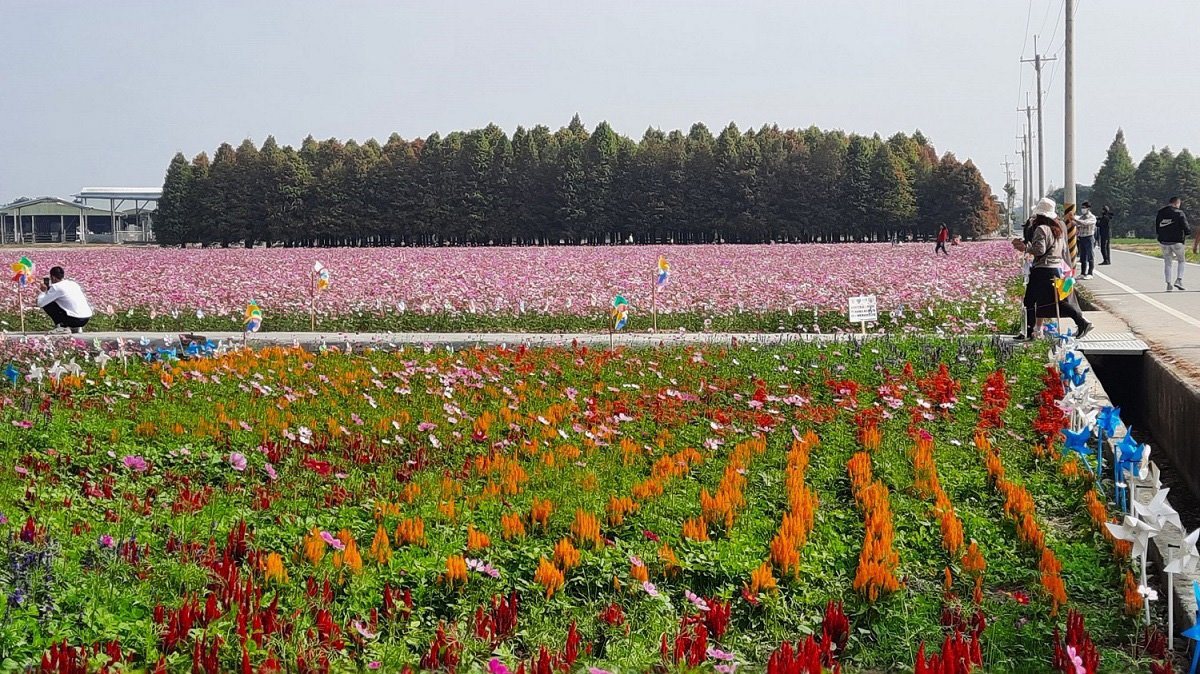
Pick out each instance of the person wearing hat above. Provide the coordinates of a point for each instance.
(1048, 246)
(1085, 221)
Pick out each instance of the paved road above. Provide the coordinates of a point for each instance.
(1133, 288)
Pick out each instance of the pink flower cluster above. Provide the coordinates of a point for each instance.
(706, 279)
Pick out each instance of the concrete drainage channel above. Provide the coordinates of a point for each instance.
(1162, 408)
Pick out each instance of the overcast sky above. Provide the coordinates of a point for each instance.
(104, 93)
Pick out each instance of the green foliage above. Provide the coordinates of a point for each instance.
(1113, 186)
(571, 186)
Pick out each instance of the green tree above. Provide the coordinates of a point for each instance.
(1183, 180)
(1113, 186)
(1149, 185)
(892, 204)
(222, 200)
(172, 219)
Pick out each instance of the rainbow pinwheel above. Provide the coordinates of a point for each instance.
(620, 312)
(664, 272)
(322, 274)
(22, 271)
(254, 317)
(1065, 285)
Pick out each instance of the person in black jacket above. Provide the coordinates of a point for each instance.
(1172, 228)
(1104, 233)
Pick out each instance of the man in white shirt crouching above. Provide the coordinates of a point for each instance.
(64, 302)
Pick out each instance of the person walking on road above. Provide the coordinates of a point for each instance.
(1085, 221)
(943, 236)
(1172, 229)
(1104, 233)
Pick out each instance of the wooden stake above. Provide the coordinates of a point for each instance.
(21, 301)
(654, 298)
(312, 300)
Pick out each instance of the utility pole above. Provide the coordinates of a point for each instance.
(1010, 194)
(1037, 62)
(1029, 142)
(1026, 206)
(1069, 122)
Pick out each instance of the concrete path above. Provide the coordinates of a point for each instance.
(1133, 288)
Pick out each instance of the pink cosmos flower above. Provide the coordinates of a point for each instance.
(332, 541)
(497, 667)
(25, 424)
(21, 470)
(237, 461)
(374, 664)
(106, 541)
(362, 629)
(135, 463)
(270, 471)
(650, 589)
(426, 426)
(696, 600)
(1076, 661)
(597, 670)
(718, 654)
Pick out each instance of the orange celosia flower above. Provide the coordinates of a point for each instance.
(411, 532)
(977, 596)
(539, 512)
(273, 570)
(1133, 598)
(586, 529)
(762, 579)
(973, 562)
(549, 577)
(639, 572)
(476, 540)
(512, 525)
(618, 508)
(349, 557)
(314, 546)
(381, 547)
(670, 562)
(695, 529)
(446, 508)
(565, 554)
(456, 570)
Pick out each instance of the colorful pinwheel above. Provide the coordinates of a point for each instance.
(620, 312)
(321, 272)
(22, 271)
(664, 272)
(254, 317)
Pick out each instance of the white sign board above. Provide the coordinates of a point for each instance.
(863, 309)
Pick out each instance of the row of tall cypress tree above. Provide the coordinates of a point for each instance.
(1135, 193)
(570, 186)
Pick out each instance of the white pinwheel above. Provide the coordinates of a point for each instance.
(1183, 560)
(1186, 558)
(102, 360)
(1158, 511)
(1136, 531)
(56, 371)
(73, 368)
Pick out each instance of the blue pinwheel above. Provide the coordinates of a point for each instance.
(1130, 455)
(1069, 364)
(167, 354)
(1077, 441)
(11, 373)
(1107, 420)
(1193, 632)
(1078, 377)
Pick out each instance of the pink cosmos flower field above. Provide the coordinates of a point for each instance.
(706, 282)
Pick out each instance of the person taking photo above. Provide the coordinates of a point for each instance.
(64, 302)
